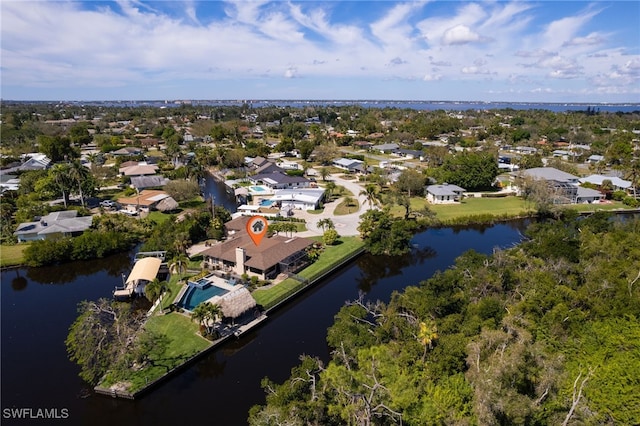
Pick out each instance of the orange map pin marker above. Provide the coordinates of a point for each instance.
(257, 228)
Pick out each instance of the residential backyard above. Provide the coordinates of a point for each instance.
(330, 258)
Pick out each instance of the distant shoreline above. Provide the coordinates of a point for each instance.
(610, 107)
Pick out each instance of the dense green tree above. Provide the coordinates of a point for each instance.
(57, 148)
(410, 181)
(102, 336)
(470, 170)
(182, 189)
(542, 333)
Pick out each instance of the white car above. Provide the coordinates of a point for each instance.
(108, 204)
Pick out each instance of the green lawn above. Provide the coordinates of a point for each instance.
(329, 258)
(11, 255)
(342, 208)
(505, 206)
(158, 217)
(183, 343)
(502, 207)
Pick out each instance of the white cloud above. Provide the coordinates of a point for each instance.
(460, 34)
(131, 43)
(291, 72)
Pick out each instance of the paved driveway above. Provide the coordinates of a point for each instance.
(346, 225)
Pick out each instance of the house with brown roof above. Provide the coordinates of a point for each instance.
(274, 255)
(144, 201)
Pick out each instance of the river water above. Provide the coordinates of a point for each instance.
(39, 305)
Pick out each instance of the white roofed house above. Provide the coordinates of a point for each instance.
(299, 199)
(444, 193)
(618, 184)
(563, 186)
(279, 180)
(64, 223)
(348, 164)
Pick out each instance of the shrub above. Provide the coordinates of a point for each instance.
(631, 202)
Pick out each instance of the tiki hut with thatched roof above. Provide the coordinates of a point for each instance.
(236, 302)
(167, 205)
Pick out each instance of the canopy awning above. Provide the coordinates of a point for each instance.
(145, 269)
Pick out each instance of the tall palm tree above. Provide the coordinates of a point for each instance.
(78, 174)
(178, 264)
(371, 193)
(61, 176)
(329, 188)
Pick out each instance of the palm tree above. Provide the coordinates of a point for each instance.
(329, 188)
(371, 193)
(181, 242)
(61, 176)
(326, 223)
(324, 173)
(178, 264)
(427, 334)
(205, 313)
(78, 173)
(154, 289)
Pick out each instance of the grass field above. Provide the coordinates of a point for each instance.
(505, 206)
(330, 257)
(11, 255)
(183, 342)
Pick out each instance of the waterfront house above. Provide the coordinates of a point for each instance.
(563, 186)
(63, 223)
(588, 196)
(618, 184)
(444, 194)
(274, 255)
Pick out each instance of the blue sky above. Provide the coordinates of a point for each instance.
(544, 51)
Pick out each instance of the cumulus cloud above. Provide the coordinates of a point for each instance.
(460, 34)
(291, 72)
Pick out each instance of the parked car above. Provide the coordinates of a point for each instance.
(108, 204)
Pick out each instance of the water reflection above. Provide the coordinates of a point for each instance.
(210, 367)
(374, 268)
(19, 283)
(114, 266)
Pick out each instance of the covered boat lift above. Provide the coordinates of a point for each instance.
(144, 271)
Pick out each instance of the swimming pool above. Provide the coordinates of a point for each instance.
(266, 203)
(256, 188)
(194, 296)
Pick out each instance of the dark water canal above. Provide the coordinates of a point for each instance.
(39, 305)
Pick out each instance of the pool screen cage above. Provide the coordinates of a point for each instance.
(294, 262)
